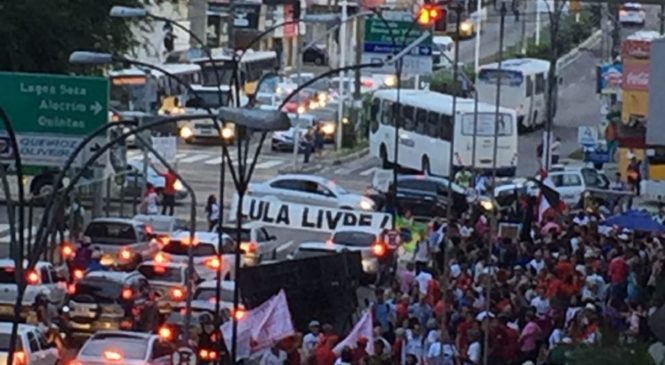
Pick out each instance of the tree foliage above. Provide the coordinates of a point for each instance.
(39, 35)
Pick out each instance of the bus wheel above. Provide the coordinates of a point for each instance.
(425, 165)
(383, 154)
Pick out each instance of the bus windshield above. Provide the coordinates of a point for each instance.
(508, 77)
(485, 125)
(209, 99)
(128, 93)
(224, 69)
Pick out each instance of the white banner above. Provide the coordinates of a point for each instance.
(261, 326)
(297, 216)
(362, 329)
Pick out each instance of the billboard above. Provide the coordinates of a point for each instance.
(635, 105)
(635, 75)
(656, 116)
(609, 78)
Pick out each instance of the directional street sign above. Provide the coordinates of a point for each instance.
(52, 113)
(382, 41)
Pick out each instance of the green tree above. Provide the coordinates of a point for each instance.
(39, 35)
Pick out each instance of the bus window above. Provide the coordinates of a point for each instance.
(540, 83)
(446, 127)
(432, 124)
(421, 121)
(407, 118)
(387, 113)
(374, 115)
(529, 87)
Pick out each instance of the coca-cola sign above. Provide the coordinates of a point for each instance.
(636, 76)
(635, 49)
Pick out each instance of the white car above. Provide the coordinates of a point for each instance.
(124, 347)
(632, 13)
(205, 294)
(168, 280)
(256, 242)
(572, 181)
(207, 258)
(310, 190)
(446, 47)
(34, 349)
(42, 279)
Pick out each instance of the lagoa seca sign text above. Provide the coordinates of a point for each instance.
(297, 216)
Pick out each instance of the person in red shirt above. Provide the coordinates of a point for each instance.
(324, 354)
(618, 272)
(359, 354)
(168, 200)
(463, 329)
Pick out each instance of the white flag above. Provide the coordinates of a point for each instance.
(261, 326)
(362, 329)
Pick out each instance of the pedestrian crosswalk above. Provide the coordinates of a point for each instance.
(5, 233)
(194, 158)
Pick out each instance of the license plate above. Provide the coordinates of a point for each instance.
(6, 310)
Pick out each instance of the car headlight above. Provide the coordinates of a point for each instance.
(228, 132)
(366, 205)
(328, 128)
(466, 27)
(390, 81)
(186, 132)
(178, 185)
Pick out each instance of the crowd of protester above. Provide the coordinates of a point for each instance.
(567, 283)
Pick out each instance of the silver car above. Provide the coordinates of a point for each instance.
(123, 347)
(310, 190)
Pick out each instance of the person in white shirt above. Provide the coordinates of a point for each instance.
(540, 303)
(274, 356)
(421, 255)
(537, 263)
(442, 352)
(310, 340)
(474, 352)
(413, 343)
(423, 280)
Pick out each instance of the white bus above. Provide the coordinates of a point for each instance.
(426, 128)
(523, 88)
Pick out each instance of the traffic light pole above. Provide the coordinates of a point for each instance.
(451, 151)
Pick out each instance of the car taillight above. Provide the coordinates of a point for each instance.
(163, 240)
(165, 333)
(67, 251)
(214, 263)
(111, 355)
(248, 247)
(177, 294)
(127, 293)
(161, 258)
(206, 354)
(33, 278)
(20, 358)
(71, 289)
(238, 314)
(78, 274)
(378, 249)
(125, 254)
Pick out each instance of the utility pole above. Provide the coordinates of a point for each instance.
(604, 17)
(552, 81)
(198, 19)
(524, 15)
(616, 30)
(342, 77)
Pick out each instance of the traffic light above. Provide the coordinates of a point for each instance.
(429, 14)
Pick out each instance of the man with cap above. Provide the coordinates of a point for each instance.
(310, 340)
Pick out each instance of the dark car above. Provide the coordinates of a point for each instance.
(425, 196)
(316, 55)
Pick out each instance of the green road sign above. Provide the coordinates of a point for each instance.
(54, 104)
(403, 31)
(51, 114)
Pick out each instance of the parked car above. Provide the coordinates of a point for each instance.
(207, 258)
(572, 181)
(425, 196)
(124, 242)
(105, 300)
(632, 14)
(124, 347)
(315, 54)
(32, 348)
(256, 243)
(42, 279)
(310, 190)
(168, 280)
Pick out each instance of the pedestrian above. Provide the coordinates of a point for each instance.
(275, 356)
(212, 212)
(150, 200)
(443, 351)
(307, 145)
(611, 139)
(634, 174)
(168, 199)
(345, 358)
(318, 139)
(359, 354)
(311, 339)
(421, 255)
(83, 254)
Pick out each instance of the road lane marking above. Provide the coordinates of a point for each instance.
(268, 164)
(341, 171)
(214, 161)
(194, 158)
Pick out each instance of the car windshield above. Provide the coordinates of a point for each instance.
(336, 188)
(210, 293)
(97, 290)
(354, 239)
(200, 249)
(162, 273)
(127, 347)
(208, 99)
(245, 234)
(109, 233)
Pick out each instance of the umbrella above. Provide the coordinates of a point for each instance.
(635, 220)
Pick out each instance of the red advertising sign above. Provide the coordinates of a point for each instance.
(635, 49)
(635, 75)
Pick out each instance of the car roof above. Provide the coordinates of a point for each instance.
(225, 284)
(322, 246)
(172, 265)
(201, 236)
(370, 230)
(119, 276)
(304, 177)
(117, 220)
(129, 334)
(6, 327)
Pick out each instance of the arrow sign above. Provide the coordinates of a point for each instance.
(96, 107)
(95, 148)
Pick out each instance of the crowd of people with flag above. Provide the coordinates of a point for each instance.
(570, 279)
